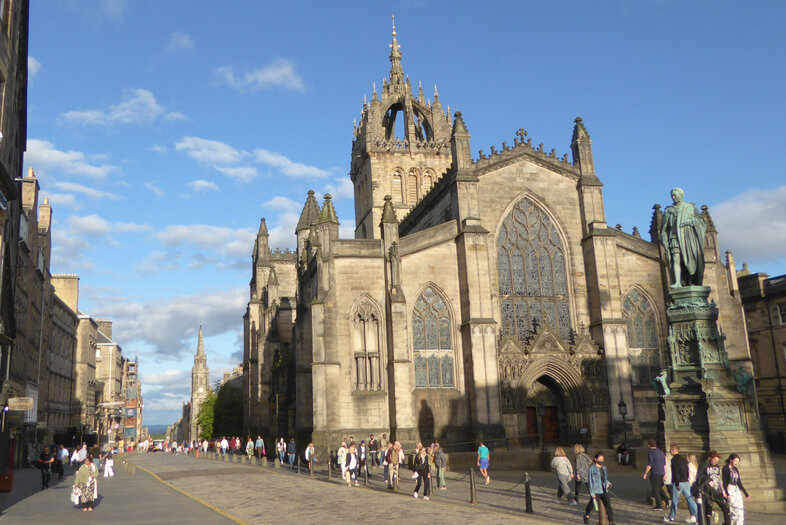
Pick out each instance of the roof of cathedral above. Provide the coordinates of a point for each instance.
(310, 213)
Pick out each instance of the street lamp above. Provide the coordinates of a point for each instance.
(623, 409)
(541, 414)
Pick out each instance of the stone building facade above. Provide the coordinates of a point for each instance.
(764, 298)
(480, 296)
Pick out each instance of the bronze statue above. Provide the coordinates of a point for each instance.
(682, 234)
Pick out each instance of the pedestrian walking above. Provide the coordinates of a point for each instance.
(250, 447)
(224, 446)
(45, 460)
(281, 449)
(292, 452)
(373, 451)
(351, 461)
(732, 483)
(363, 456)
(564, 471)
(667, 481)
(78, 457)
(710, 483)
(439, 464)
(583, 462)
(656, 469)
(387, 452)
(310, 455)
(680, 485)
(395, 458)
(598, 488)
(422, 472)
(62, 459)
(109, 466)
(341, 457)
(87, 484)
(259, 447)
(483, 462)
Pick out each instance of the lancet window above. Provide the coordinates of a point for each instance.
(412, 186)
(397, 190)
(533, 279)
(644, 355)
(367, 363)
(432, 339)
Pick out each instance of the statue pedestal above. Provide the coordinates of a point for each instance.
(706, 409)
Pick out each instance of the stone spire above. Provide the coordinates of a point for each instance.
(459, 144)
(396, 73)
(581, 146)
(310, 213)
(262, 228)
(261, 248)
(388, 213)
(328, 213)
(200, 344)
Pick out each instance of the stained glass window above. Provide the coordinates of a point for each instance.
(533, 279)
(642, 337)
(432, 341)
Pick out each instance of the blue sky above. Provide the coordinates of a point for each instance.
(163, 131)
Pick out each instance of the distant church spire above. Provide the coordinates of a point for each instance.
(396, 73)
(200, 344)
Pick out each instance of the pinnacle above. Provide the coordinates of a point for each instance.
(388, 213)
(328, 213)
(459, 127)
(310, 213)
(579, 131)
(262, 228)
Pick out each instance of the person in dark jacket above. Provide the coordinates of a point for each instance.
(583, 462)
(680, 484)
(423, 470)
(710, 483)
(351, 462)
(732, 484)
(292, 452)
(656, 469)
(439, 464)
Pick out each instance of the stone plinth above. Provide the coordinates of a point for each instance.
(706, 408)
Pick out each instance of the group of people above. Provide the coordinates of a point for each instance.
(55, 458)
(673, 475)
(591, 472)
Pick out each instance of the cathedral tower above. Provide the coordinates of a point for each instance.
(200, 384)
(401, 147)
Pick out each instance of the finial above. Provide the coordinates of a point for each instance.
(394, 24)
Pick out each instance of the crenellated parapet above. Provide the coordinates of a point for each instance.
(522, 147)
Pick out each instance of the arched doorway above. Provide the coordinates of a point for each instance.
(545, 393)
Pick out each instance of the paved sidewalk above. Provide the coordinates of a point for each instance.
(291, 497)
(124, 499)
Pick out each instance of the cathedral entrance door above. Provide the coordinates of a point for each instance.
(544, 393)
(551, 425)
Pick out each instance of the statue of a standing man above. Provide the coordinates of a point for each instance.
(682, 234)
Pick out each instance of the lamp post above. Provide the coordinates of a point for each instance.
(623, 409)
(541, 413)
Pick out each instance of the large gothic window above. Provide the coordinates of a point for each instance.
(533, 279)
(642, 338)
(366, 341)
(432, 340)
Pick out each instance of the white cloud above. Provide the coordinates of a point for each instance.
(158, 262)
(243, 173)
(341, 188)
(287, 166)
(85, 190)
(67, 251)
(210, 152)
(283, 234)
(155, 189)
(62, 199)
(226, 241)
(180, 42)
(203, 185)
(281, 204)
(33, 67)
(138, 107)
(42, 155)
(279, 73)
(89, 225)
(170, 325)
(753, 224)
(158, 149)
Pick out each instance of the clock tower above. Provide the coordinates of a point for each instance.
(200, 385)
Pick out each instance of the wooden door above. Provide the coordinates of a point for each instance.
(551, 425)
(532, 425)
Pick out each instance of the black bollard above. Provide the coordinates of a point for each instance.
(699, 509)
(365, 476)
(330, 468)
(311, 466)
(472, 496)
(298, 464)
(527, 494)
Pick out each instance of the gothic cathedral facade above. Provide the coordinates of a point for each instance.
(481, 297)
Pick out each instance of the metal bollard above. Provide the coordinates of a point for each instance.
(311, 466)
(298, 464)
(330, 468)
(527, 494)
(365, 476)
(473, 498)
(699, 509)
